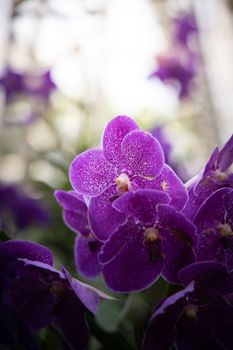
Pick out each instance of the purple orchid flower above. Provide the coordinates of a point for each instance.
(15, 84)
(214, 176)
(130, 158)
(18, 208)
(214, 221)
(87, 247)
(33, 88)
(155, 240)
(199, 317)
(42, 295)
(174, 70)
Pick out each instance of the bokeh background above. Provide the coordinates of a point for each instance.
(68, 67)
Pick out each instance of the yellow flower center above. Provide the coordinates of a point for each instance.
(151, 234)
(225, 229)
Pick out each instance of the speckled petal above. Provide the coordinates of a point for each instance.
(168, 182)
(90, 173)
(103, 217)
(132, 264)
(141, 204)
(86, 251)
(144, 155)
(30, 250)
(113, 135)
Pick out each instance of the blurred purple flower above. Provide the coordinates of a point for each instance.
(176, 71)
(34, 88)
(42, 295)
(17, 208)
(214, 176)
(185, 26)
(130, 159)
(198, 317)
(156, 239)
(87, 247)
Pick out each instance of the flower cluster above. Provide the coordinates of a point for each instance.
(136, 221)
(34, 294)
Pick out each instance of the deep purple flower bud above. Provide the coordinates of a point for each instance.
(155, 240)
(197, 317)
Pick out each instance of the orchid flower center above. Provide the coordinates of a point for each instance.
(225, 229)
(151, 234)
(123, 183)
(191, 311)
(219, 175)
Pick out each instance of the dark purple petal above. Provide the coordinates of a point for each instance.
(88, 295)
(113, 135)
(86, 251)
(211, 278)
(34, 302)
(144, 155)
(194, 332)
(141, 204)
(131, 263)
(212, 211)
(30, 250)
(176, 255)
(168, 182)
(90, 173)
(160, 331)
(77, 223)
(69, 319)
(220, 315)
(177, 224)
(103, 217)
(226, 155)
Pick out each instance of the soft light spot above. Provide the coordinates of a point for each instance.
(191, 311)
(151, 234)
(164, 185)
(225, 229)
(123, 183)
(219, 175)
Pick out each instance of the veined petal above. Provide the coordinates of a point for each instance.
(113, 135)
(90, 173)
(143, 153)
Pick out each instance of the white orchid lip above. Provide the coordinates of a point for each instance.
(123, 183)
